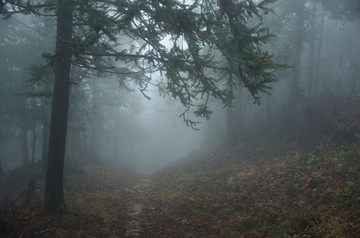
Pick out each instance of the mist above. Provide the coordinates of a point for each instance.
(152, 132)
(161, 135)
(180, 118)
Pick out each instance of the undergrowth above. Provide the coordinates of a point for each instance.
(299, 194)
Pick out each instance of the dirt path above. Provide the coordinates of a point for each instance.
(140, 193)
(103, 201)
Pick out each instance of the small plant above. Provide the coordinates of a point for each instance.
(224, 213)
(315, 181)
(357, 199)
(269, 214)
(304, 218)
(349, 186)
(311, 159)
(229, 234)
(280, 231)
(351, 191)
(248, 222)
(266, 227)
(347, 152)
(292, 160)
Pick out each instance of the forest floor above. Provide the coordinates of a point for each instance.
(294, 194)
(295, 176)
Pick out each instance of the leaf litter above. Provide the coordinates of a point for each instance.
(295, 194)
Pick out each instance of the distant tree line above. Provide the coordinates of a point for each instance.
(319, 40)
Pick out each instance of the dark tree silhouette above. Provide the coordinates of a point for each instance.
(54, 198)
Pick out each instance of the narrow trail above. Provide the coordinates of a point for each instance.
(141, 192)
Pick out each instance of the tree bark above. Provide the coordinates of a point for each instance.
(33, 132)
(49, 42)
(29, 192)
(45, 138)
(95, 121)
(54, 191)
(33, 147)
(2, 173)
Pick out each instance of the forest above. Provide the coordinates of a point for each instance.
(180, 118)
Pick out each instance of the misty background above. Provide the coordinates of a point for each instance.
(118, 123)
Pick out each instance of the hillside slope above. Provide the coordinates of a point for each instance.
(297, 194)
(221, 194)
(295, 174)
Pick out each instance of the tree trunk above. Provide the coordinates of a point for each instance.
(299, 46)
(49, 42)
(230, 124)
(29, 192)
(2, 172)
(45, 138)
(33, 149)
(310, 83)
(318, 57)
(33, 132)
(54, 191)
(339, 80)
(24, 136)
(95, 121)
(269, 107)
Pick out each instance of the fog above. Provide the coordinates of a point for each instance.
(207, 118)
(140, 127)
(161, 135)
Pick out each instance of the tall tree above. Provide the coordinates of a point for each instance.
(298, 48)
(312, 41)
(54, 194)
